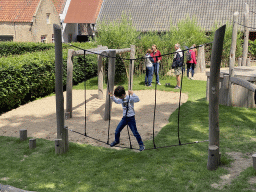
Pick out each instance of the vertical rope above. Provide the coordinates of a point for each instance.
(84, 94)
(183, 67)
(108, 108)
(154, 117)
(130, 83)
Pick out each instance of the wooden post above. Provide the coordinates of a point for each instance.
(254, 161)
(59, 86)
(232, 57)
(214, 94)
(213, 157)
(246, 33)
(111, 81)
(59, 146)
(201, 59)
(239, 62)
(131, 67)
(23, 134)
(248, 62)
(69, 85)
(32, 143)
(100, 76)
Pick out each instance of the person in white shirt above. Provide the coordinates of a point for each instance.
(127, 102)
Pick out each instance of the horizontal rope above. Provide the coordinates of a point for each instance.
(245, 26)
(142, 58)
(135, 148)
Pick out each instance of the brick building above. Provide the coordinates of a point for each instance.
(28, 20)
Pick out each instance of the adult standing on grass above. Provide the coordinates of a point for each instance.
(177, 64)
(156, 55)
(191, 63)
(149, 68)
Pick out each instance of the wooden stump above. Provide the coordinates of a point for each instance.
(254, 161)
(58, 146)
(23, 134)
(213, 157)
(32, 143)
(239, 62)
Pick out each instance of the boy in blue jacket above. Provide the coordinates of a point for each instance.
(127, 102)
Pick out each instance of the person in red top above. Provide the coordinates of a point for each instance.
(191, 64)
(156, 55)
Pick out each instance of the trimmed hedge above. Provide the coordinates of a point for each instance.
(26, 77)
(8, 48)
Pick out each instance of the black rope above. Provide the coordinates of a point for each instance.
(177, 145)
(183, 68)
(135, 148)
(245, 26)
(252, 12)
(154, 117)
(108, 110)
(130, 86)
(84, 95)
(140, 58)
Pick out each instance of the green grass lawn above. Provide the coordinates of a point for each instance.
(181, 168)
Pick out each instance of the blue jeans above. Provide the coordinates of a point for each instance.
(156, 70)
(149, 75)
(132, 124)
(192, 67)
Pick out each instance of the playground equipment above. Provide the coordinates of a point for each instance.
(101, 52)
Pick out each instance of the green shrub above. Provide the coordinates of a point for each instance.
(252, 49)
(26, 77)
(8, 48)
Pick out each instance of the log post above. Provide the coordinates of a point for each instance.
(23, 134)
(213, 157)
(239, 62)
(32, 143)
(111, 81)
(59, 146)
(232, 57)
(69, 84)
(100, 76)
(131, 67)
(254, 161)
(59, 86)
(201, 59)
(214, 91)
(248, 62)
(246, 33)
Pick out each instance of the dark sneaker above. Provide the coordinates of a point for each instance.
(142, 147)
(113, 144)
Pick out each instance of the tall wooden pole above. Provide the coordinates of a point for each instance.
(232, 57)
(69, 85)
(61, 132)
(100, 76)
(213, 156)
(111, 81)
(131, 67)
(246, 33)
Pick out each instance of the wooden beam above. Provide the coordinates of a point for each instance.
(243, 83)
(232, 57)
(214, 90)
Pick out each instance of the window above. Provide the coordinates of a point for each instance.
(70, 37)
(43, 38)
(6, 38)
(53, 38)
(48, 18)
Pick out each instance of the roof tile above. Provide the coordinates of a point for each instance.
(85, 11)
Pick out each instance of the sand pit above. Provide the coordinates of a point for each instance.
(39, 117)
